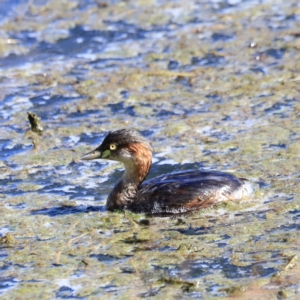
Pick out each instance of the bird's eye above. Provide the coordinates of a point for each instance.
(113, 146)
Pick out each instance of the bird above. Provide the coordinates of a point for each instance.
(168, 194)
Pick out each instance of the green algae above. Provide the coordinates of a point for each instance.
(228, 111)
(29, 187)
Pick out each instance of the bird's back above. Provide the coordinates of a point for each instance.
(185, 191)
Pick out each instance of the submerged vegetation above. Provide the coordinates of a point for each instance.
(212, 84)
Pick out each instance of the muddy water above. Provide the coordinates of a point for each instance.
(212, 84)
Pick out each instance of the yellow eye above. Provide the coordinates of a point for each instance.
(113, 146)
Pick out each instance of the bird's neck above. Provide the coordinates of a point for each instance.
(136, 170)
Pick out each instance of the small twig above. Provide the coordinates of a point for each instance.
(135, 268)
(130, 219)
(291, 263)
(57, 259)
(75, 238)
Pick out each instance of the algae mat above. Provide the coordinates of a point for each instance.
(213, 84)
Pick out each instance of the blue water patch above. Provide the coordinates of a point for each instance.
(209, 59)
(221, 37)
(192, 269)
(106, 258)
(10, 186)
(123, 26)
(272, 53)
(277, 107)
(67, 210)
(120, 108)
(18, 206)
(7, 6)
(296, 214)
(277, 146)
(7, 283)
(109, 259)
(6, 151)
(93, 138)
(165, 113)
(173, 65)
(74, 192)
(258, 70)
(47, 100)
(125, 94)
(3, 255)
(65, 292)
(215, 98)
(91, 41)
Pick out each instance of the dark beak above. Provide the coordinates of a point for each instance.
(92, 155)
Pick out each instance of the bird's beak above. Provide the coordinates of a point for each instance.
(92, 155)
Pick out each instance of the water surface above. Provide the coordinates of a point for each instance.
(213, 84)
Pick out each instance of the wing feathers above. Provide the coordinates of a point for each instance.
(186, 191)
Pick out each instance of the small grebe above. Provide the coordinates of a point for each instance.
(173, 193)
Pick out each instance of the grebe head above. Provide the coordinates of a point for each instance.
(129, 147)
(120, 145)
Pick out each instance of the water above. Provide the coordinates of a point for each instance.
(212, 84)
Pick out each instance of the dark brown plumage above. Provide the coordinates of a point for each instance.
(173, 193)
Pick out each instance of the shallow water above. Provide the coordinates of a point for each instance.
(212, 84)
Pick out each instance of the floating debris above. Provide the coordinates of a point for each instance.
(185, 75)
(7, 239)
(35, 122)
